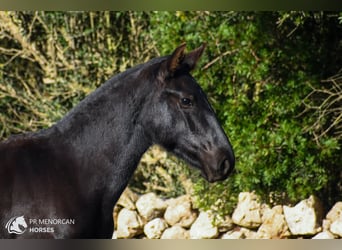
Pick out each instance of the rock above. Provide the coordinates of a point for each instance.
(305, 217)
(203, 227)
(116, 211)
(233, 235)
(224, 224)
(239, 233)
(265, 212)
(335, 212)
(248, 211)
(249, 234)
(150, 206)
(326, 225)
(274, 225)
(155, 228)
(325, 235)
(179, 211)
(336, 227)
(130, 224)
(333, 221)
(128, 199)
(175, 232)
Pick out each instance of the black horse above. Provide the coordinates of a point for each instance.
(66, 179)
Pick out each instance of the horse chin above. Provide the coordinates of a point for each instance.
(194, 161)
(206, 177)
(211, 178)
(214, 176)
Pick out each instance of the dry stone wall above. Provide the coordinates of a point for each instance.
(149, 216)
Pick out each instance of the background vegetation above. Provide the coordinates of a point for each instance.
(274, 79)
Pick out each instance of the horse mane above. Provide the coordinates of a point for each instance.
(135, 70)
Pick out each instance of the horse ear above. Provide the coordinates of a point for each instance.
(180, 60)
(192, 57)
(176, 59)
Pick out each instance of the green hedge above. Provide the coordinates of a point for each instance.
(257, 70)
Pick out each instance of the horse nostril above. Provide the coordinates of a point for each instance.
(226, 167)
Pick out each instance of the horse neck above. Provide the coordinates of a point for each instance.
(105, 134)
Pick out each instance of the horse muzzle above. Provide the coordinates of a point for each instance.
(217, 167)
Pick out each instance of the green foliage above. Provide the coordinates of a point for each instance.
(49, 61)
(256, 71)
(262, 72)
(161, 173)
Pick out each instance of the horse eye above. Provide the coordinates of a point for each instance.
(186, 102)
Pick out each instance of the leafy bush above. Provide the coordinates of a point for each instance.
(257, 70)
(161, 173)
(49, 61)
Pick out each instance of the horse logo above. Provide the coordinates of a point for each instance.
(16, 225)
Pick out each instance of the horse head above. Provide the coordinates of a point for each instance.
(21, 221)
(16, 225)
(180, 118)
